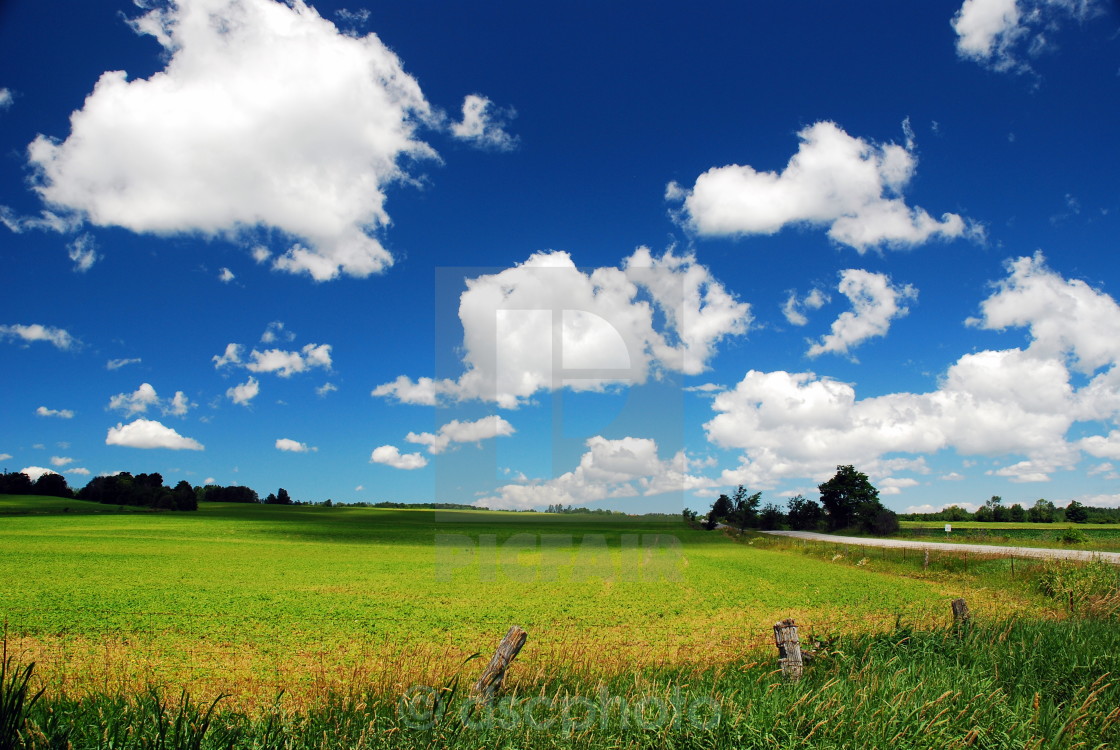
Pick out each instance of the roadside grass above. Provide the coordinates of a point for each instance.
(993, 684)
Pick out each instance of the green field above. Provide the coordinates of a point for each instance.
(344, 610)
(299, 594)
(1090, 536)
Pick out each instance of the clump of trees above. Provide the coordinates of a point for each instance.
(848, 501)
(142, 490)
(1042, 511)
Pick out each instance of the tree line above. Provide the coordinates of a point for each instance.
(847, 501)
(141, 490)
(1042, 511)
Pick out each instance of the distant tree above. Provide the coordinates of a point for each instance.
(847, 497)
(983, 514)
(53, 485)
(744, 509)
(771, 517)
(282, 497)
(1076, 512)
(721, 510)
(271, 499)
(804, 515)
(1041, 512)
(689, 517)
(955, 513)
(995, 506)
(16, 483)
(1017, 513)
(183, 496)
(883, 522)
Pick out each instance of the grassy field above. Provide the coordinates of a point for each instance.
(249, 599)
(1091, 536)
(345, 610)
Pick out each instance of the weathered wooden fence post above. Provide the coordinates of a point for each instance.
(789, 649)
(961, 614)
(491, 680)
(925, 561)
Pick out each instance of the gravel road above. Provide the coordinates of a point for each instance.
(988, 549)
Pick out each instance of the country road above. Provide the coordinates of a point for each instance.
(988, 549)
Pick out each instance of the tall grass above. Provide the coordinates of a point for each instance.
(15, 687)
(1014, 684)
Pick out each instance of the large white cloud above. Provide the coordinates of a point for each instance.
(390, 455)
(607, 321)
(34, 472)
(265, 115)
(37, 332)
(875, 303)
(462, 432)
(850, 185)
(1064, 316)
(626, 467)
(1012, 402)
(147, 433)
(999, 33)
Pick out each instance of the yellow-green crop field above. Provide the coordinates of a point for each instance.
(252, 599)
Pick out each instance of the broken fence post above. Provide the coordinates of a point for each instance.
(789, 649)
(491, 680)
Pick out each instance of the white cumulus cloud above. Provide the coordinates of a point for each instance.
(390, 455)
(265, 115)
(1000, 34)
(147, 433)
(850, 185)
(625, 467)
(244, 393)
(615, 327)
(1017, 402)
(293, 446)
(462, 432)
(34, 472)
(875, 303)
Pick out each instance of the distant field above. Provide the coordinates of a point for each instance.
(38, 505)
(1007, 525)
(251, 599)
(1099, 537)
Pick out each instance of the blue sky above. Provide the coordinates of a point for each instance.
(608, 254)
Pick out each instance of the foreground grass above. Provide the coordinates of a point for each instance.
(1017, 684)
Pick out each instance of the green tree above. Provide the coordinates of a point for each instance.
(804, 515)
(1076, 512)
(847, 497)
(771, 517)
(282, 497)
(1017, 513)
(53, 485)
(1041, 512)
(744, 508)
